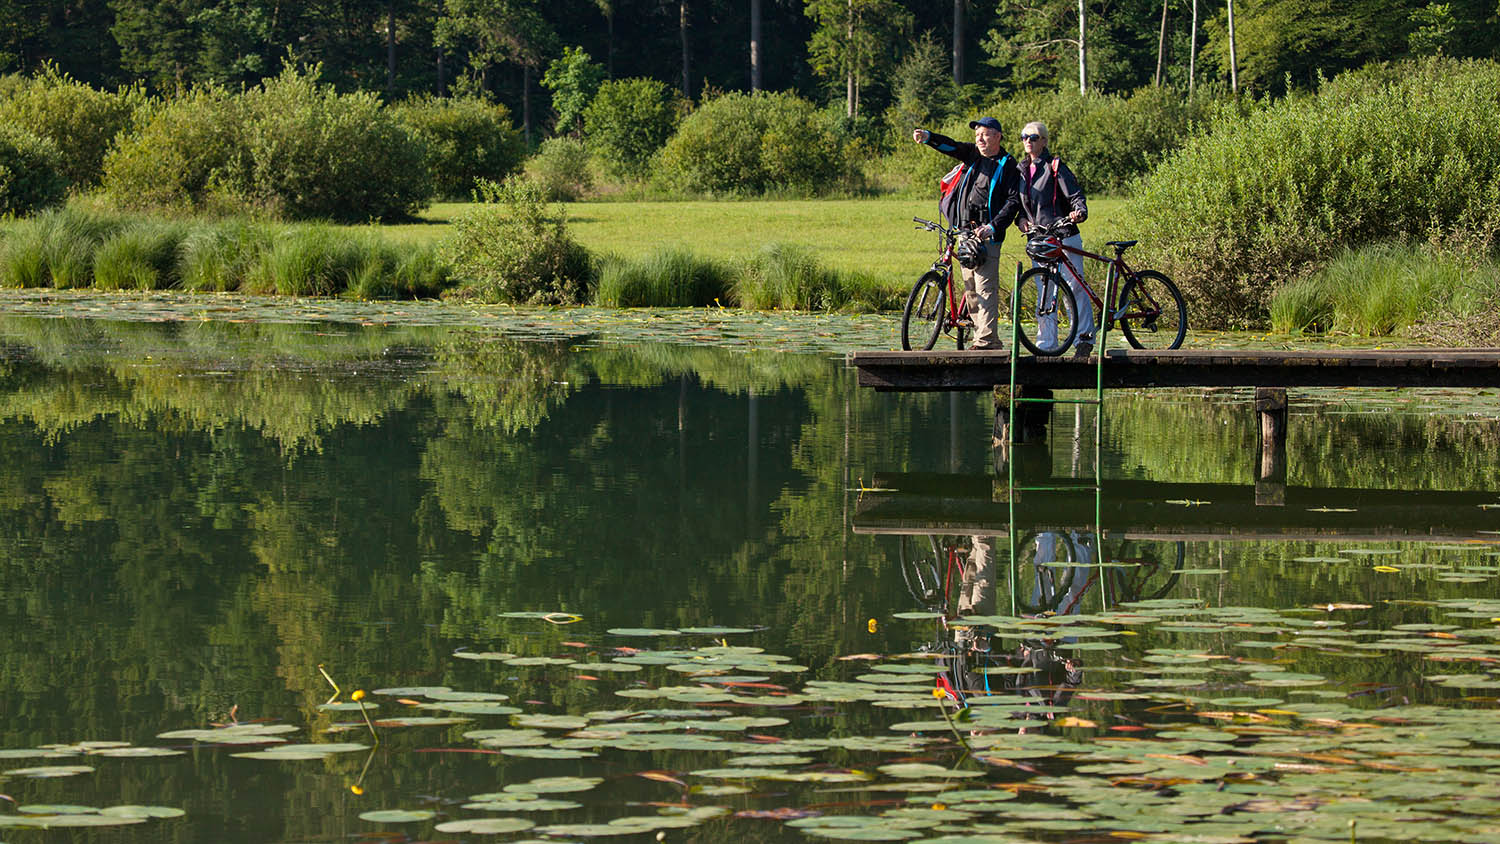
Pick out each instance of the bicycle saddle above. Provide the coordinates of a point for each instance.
(1122, 245)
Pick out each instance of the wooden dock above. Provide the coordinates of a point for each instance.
(970, 370)
(929, 503)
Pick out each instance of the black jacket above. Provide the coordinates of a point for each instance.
(997, 198)
(1044, 199)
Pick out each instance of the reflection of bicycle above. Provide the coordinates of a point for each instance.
(932, 307)
(1146, 303)
(928, 567)
(1135, 571)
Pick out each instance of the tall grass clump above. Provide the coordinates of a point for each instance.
(1373, 290)
(141, 256)
(785, 276)
(1375, 156)
(515, 247)
(55, 248)
(219, 258)
(669, 277)
(308, 260)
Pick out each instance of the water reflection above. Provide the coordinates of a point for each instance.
(194, 517)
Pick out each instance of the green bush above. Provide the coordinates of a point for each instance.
(513, 247)
(628, 121)
(185, 153)
(1260, 201)
(313, 153)
(666, 278)
(80, 120)
(467, 138)
(141, 256)
(750, 144)
(562, 170)
(30, 172)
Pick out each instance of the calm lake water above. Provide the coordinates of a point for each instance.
(586, 584)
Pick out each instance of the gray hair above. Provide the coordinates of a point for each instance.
(1036, 127)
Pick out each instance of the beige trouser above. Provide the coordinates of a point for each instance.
(983, 287)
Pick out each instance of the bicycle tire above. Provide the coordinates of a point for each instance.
(1152, 312)
(1053, 578)
(1153, 574)
(924, 314)
(1042, 296)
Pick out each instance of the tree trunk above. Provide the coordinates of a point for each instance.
(1161, 41)
(755, 75)
(390, 48)
(1234, 77)
(526, 103)
(1083, 49)
(609, 51)
(851, 97)
(442, 69)
(682, 30)
(1193, 49)
(958, 42)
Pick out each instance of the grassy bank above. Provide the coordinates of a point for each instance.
(872, 236)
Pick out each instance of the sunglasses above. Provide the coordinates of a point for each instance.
(1033, 137)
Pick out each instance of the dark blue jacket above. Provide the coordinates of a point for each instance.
(1001, 196)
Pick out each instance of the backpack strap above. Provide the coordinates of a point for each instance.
(989, 201)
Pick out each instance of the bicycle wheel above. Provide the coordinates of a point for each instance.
(1152, 313)
(923, 319)
(1049, 555)
(1046, 312)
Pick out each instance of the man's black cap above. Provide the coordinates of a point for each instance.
(988, 122)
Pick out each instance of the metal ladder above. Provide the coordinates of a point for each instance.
(1097, 401)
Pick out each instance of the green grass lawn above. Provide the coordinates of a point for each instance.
(873, 236)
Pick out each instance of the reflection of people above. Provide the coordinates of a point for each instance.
(1049, 193)
(986, 203)
(1052, 678)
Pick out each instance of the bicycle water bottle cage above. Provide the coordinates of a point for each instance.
(1045, 249)
(971, 252)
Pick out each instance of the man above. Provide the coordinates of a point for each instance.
(987, 201)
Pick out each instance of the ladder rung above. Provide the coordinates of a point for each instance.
(1072, 487)
(1057, 401)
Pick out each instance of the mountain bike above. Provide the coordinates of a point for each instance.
(933, 307)
(1146, 304)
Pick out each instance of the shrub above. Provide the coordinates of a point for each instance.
(185, 153)
(1239, 212)
(30, 172)
(573, 79)
(561, 169)
(141, 256)
(627, 121)
(754, 143)
(314, 153)
(467, 138)
(514, 248)
(80, 120)
(665, 278)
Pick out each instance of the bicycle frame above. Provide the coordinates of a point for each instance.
(944, 265)
(1115, 278)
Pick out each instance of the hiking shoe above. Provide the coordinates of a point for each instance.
(1083, 350)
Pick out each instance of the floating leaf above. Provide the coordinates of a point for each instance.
(397, 816)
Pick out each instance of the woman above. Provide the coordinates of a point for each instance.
(1049, 192)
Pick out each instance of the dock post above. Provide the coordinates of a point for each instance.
(1270, 474)
(1031, 424)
